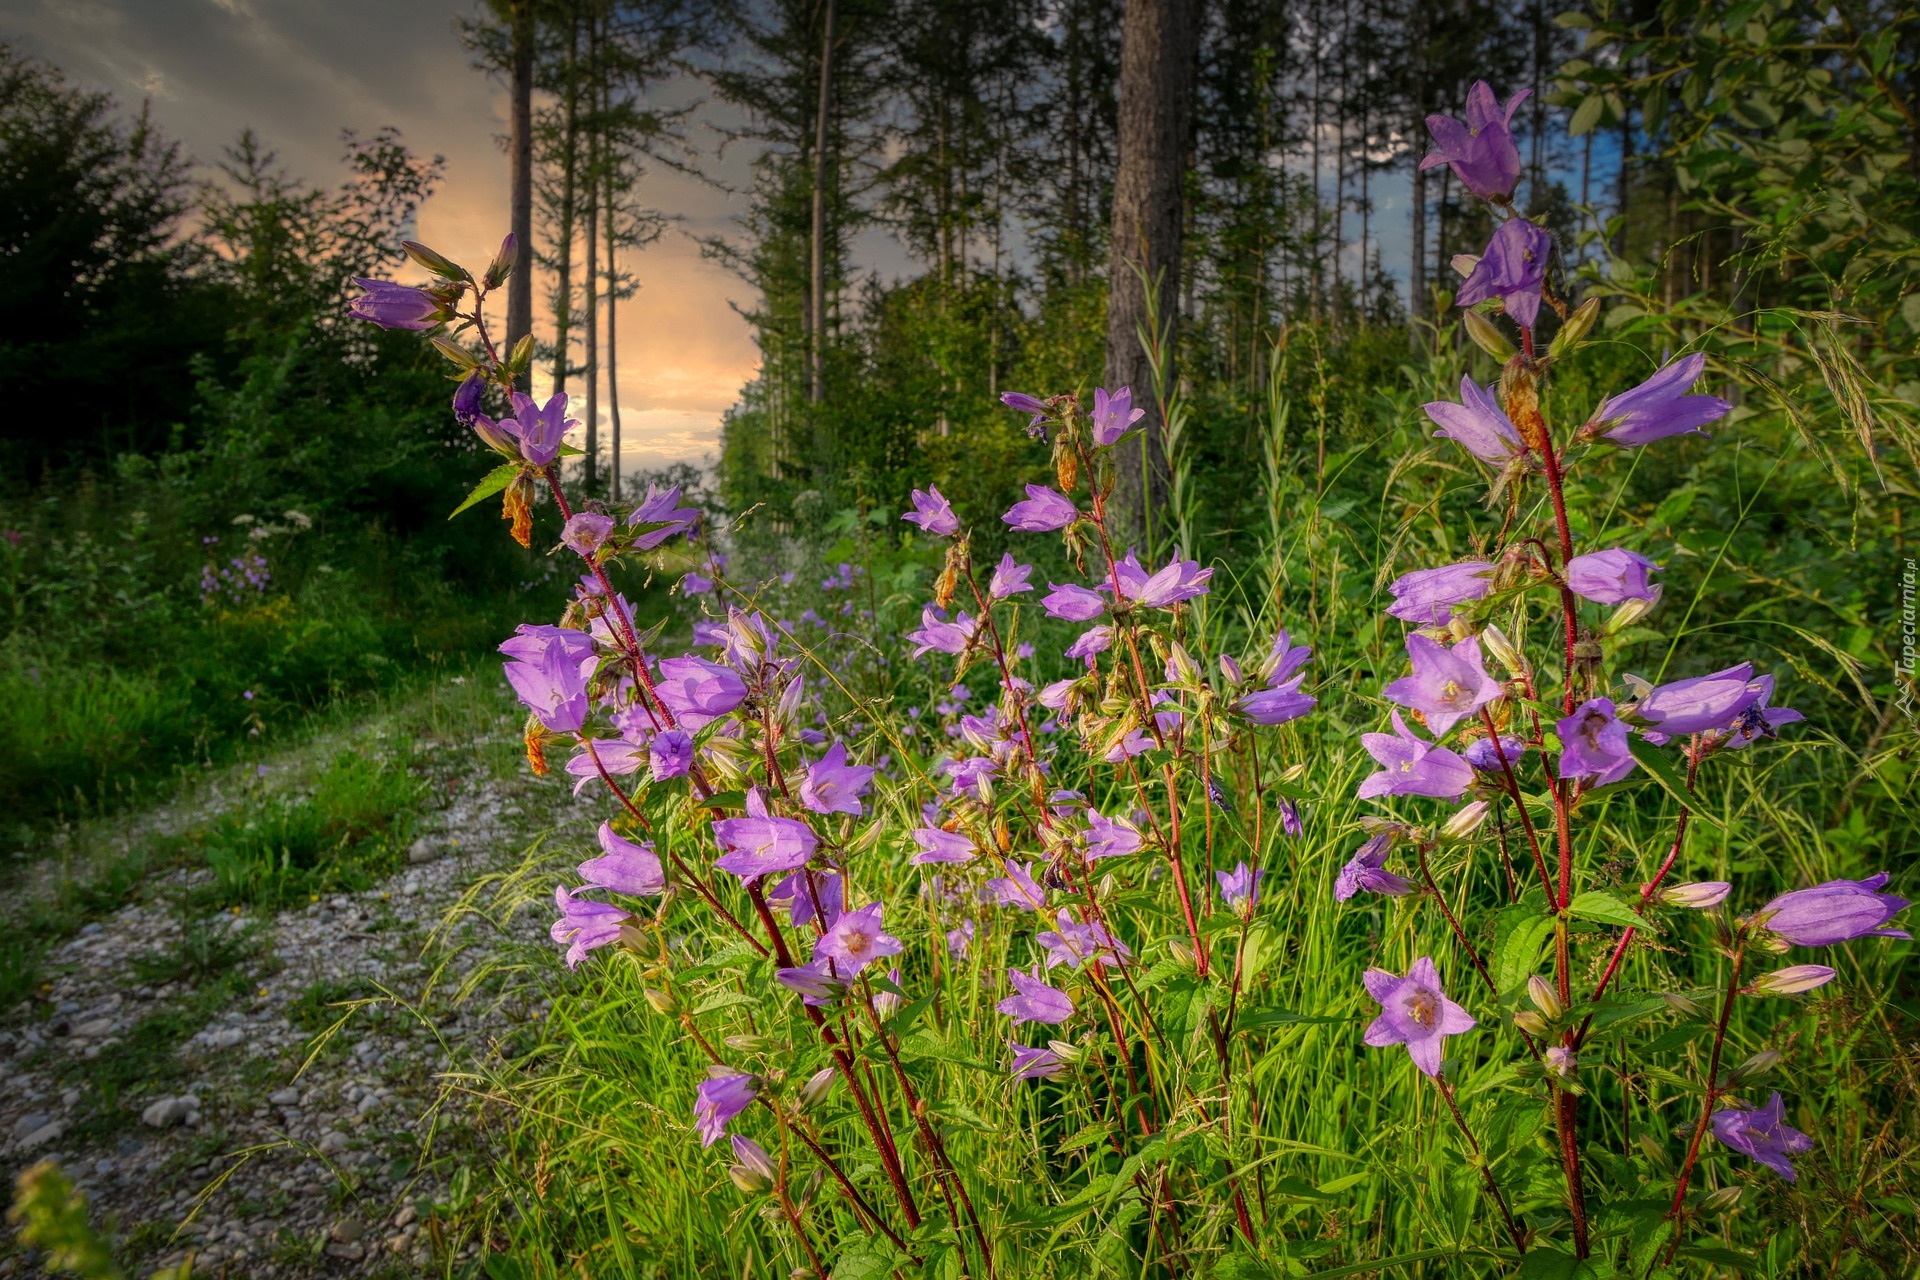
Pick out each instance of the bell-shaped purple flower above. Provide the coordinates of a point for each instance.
(1277, 705)
(1044, 511)
(468, 398)
(1113, 415)
(1024, 403)
(937, 846)
(1009, 578)
(1513, 269)
(935, 633)
(1447, 685)
(856, 940)
(1757, 720)
(584, 924)
(1090, 642)
(811, 895)
(1762, 1134)
(1415, 1011)
(1482, 755)
(398, 306)
(1035, 1001)
(1018, 888)
(1110, 837)
(1659, 407)
(1368, 870)
(1283, 659)
(720, 1098)
(1073, 603)
(1481, 148)
(1240, 887)
(1613, 576)
(1834, 912)
(1030, 1063)
(624, 867)
(670, 754)
(1593, 743)
(833, 785)
(1181, 580)
(1701, 704)
(586, 532)
(661, 507)
(698, 691)
(553, 688)
(1477, 424)
(1412, 766)
(933, 513)
(1426, 597)
(761, 844)
(1074, 944)
(540, 429)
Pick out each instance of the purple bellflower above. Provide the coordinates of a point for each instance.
(1017, 888)
(1415, 1011)
(816, 983)
(1290, 820)
(933, 513)
(1110, 837)
(833, 785)
(1447, 685)
(1113, 415)
(1180, 580)
(1758, 720)
(1834, 912)
(624, 867)
(1659, 407)
(1613, 576)
(947, 637)
(1701, 704)
(1030, 1063)
(1412, 766)
(468, 397)
(670, 754)
(1477, 424)
(797, 892)
(698, 691)
(856, 941)
(1593, 743)
(719, 1099)
(540, 430)
(1481, 148)
(1091, 641)
(398, 306)
(1073, 603)
(940, 846)
(761, 844)
(1240, 887)
(1009, 578)
(959, 939)
(1044, 511)
(1277, 705)
(1762, 1134)
(584, 924)
(1036, 1001)
(1513, 269)
(661, 507)
(553, 689)
(1074, 944)
(1368, 870)
(1023, 403)
(1427, 596)
(1283, 659)
(586, 532)
(1483, 755)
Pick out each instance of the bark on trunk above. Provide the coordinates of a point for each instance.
(520, 162)
(613, 351)
(1158, 47)
(817, 285)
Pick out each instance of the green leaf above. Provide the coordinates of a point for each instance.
(1520, 950)
(1586, 115)
(1719, 1256)
(1259, 1019)
(868, 1259)
(1342, 1183)
(1382, 1264)
(497, 479)
(1670, 779)
(724, 1000)
(1596, 904)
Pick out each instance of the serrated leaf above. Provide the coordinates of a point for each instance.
(868, 1259)
(1596, 904)
(1670, 779)
(724, 1000)
(1519, 951)
(496, 480)
(1087, 1137)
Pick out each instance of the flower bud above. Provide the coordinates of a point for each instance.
(1575, 328)
(502, 265)
(1231, 670)
(441, 265)
(816, 1089)
(1697, 896)
(1721, 1199)
(1755, 1067)
(1464, 263)
(749, 1043)
(1067, 1051)
(1541, 992)
(1793, 980)
(753, 1156)
(1632, 611)
(1685, 1006)
(1466, 821)
(1487, 336)
(1531, 1023)
(1294, 772)
(1183, 953)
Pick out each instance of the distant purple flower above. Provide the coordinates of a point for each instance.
(1113, 415)
(1762, 1134)
(698, 691)
(933, 513)
(972, 773)
(1659, 407)
(959, 939)
(1477, 424)
(1758, 720)
(1480, 753)
(1018, 889)
(718, 1100)
(695, 584)
(1447, 685)
(1412, 766)
(1481, 149)
(761, 844)
(1277, 706)
(1415, 1011)
(1074, 944)
(1834, 912)
(1427, 596)
(661, 507)
(856, 940)
(947, 637)
(1110, 837)
(1613, 576)
(670, 754)
(468, 397)
(1009, 578)
(586, 531)
(1029, 404)
(798, 892)
(1283, 659)
(1035, 1001)
(397, 306)
(1593, 743)
(816, 983)
(1290, 819)
(1073, 603)
(584, 924)
(1031, 1063)
(1701, 704)
(1240, 887)
(552, 688)
(624, 867)
(833, 785)
(1367, 870)
(1091, 641)
(940, 846)
(1044, 511)
(539, 429)
(1513, 269)
(1056, 696)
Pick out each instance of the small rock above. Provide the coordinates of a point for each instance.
(171, 1111)
(332, 1142)
(28, 1123)
(44, 1134)
(93, 1028)
(351, 1252)
(288, 1097)
(226, 1037)
(425, 849)
(405, 1216)
(347, 1231)
(369, 1103)
(397, 1244)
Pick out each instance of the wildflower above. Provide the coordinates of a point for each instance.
(1036, 1001)
(1180, 580)
(856, 940)
(1367, 870)
(1613, 576)
(721, 1097)
(586, 532)
(1702, 704)
(1593, 743)
(1412, 766)
(1018, 889)
(624, 867)
(940, 846)
(1240, 887)
(1559, 1060)
(1513, 269)
(1466, 820)
(1837, 911)
(1793, 980)
(398, 306)
(815, 983)
(1277, 706)
(1073, 603)
(698, 691)
(1478, 424)
(1290, 819)
(1073, 944)
(1427, 596)
(670, 754)
(947, 637)
(1283, 659)
(959, 939)
(1029, 404)
(467, 398)
(1009, 578)
(1044, 511)
(1481, 149)
(552, 688)
(660, 507)
(1113, 415)
(1698, 896)
(1758, 720)
(1447, 685)
(761, 844)
(833, 785)
(539, 429)
(1056, 696)
(1110, 837)
(584, 924)
(933, 513)
(811, 896)
(1415, 1011)
(1090, 642)
(752, 1170)
(1030, 1063)
(1762, 1134)
(1658, 408)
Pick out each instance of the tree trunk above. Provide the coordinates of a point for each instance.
(1158, 45)
(591, 298)
(569, 182)
(520, 162)
(817, 288)
(613, 350)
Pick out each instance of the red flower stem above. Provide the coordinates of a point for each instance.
(1486, 1174)
(1519, 804)
(1019, 702)
(1460, 935)
(1674, 1211)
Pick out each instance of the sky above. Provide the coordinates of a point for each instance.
(298, 71)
